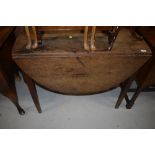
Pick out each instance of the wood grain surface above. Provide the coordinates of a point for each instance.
(62, 65)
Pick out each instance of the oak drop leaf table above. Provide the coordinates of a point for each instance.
(62, 65)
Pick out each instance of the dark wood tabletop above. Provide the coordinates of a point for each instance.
(62, 64)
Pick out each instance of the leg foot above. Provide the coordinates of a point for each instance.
(11, 94)
(20, 110)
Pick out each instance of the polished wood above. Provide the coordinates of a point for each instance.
(29, 41)
(8, 69)
(86, 46)
(92, 42)
(31, 37)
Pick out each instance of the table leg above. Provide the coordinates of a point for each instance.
(123, 93)
(134, 97)
(31, 86)
(9, 90)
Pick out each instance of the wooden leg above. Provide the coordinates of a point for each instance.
(92, 43)
(31, 86)
(7, 83)
(123, 93)
(134, 97)
(29, 41)
(86, 47)
(16, 72)
(12, 95)
(127, 99)
(14, 99)
(35, 44)
(40, 33)
(126, 96)
(112, 37)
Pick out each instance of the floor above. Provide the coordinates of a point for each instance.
(84, 112)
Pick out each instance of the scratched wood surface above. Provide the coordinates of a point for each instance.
(62, 65)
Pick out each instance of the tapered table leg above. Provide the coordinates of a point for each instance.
(9, 90)
(13, 97)
(123, 93)
(134, 97)
(31, 86)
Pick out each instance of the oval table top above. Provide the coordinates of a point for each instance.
(62, 65)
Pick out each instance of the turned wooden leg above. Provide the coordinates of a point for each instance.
(31, 86)
(134, 97)
(40, 33)
(92, 42)
(86, 47)
(123, 93)
(29, 41)
(112, 37)
(35, 44)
